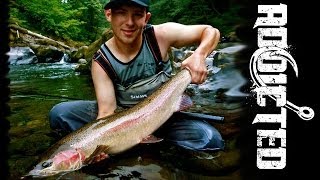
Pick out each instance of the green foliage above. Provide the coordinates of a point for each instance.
(222, 14)
(84, 21)
(76, 20)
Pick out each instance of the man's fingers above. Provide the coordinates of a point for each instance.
(199, 77)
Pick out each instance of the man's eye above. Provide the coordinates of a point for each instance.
(138, 14)
(120, 12)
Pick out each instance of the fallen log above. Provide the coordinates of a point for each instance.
(19, 29)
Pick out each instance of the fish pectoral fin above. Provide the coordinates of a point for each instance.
(185, 102)
(98, 154)
(151, 139)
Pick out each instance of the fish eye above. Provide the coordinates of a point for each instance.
(46, 164)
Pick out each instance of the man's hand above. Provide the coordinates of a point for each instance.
(197, 67)
(179, 35)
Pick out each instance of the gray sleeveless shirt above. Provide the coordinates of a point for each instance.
(140, 67)
(138, 78)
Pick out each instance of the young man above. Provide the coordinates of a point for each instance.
(130, 59)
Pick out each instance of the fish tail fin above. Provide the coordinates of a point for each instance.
(185, 102)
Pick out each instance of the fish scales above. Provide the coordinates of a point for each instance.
(120, 131)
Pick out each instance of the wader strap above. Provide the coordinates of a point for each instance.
(153, 44)
(103, 61)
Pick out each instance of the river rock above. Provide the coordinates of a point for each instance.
(22, 55)
(47, 54)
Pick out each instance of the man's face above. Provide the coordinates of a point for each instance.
(127, 22)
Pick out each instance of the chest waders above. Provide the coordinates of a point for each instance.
(130, 95)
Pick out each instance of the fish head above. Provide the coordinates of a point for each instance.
(64, 161)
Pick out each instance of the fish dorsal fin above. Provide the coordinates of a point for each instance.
(100, 149)
(185, 102)
(151, 139)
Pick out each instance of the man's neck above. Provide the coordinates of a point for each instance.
(123, 51)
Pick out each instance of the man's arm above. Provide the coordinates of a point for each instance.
(104, 91)
(179, 35)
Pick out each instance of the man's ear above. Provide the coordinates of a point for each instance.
(148, 16)
(107, 13)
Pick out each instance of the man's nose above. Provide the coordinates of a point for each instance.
(130, 19)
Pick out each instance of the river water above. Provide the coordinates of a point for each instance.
(35, 88)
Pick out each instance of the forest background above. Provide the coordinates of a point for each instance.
(81, 22)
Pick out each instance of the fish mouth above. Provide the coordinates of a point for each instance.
(35, 173)
(39, 171)
(50, 171)
(27, 176)
(64, 161)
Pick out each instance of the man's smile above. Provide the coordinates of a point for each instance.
(128, 32)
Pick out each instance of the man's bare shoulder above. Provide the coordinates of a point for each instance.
(166, 26)
(167, 30)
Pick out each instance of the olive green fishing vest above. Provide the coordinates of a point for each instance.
(137, 79)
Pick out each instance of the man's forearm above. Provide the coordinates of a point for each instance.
(209, 40)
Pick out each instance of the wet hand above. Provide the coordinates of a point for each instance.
(197, 67)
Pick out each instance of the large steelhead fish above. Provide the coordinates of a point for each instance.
(118, 132)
